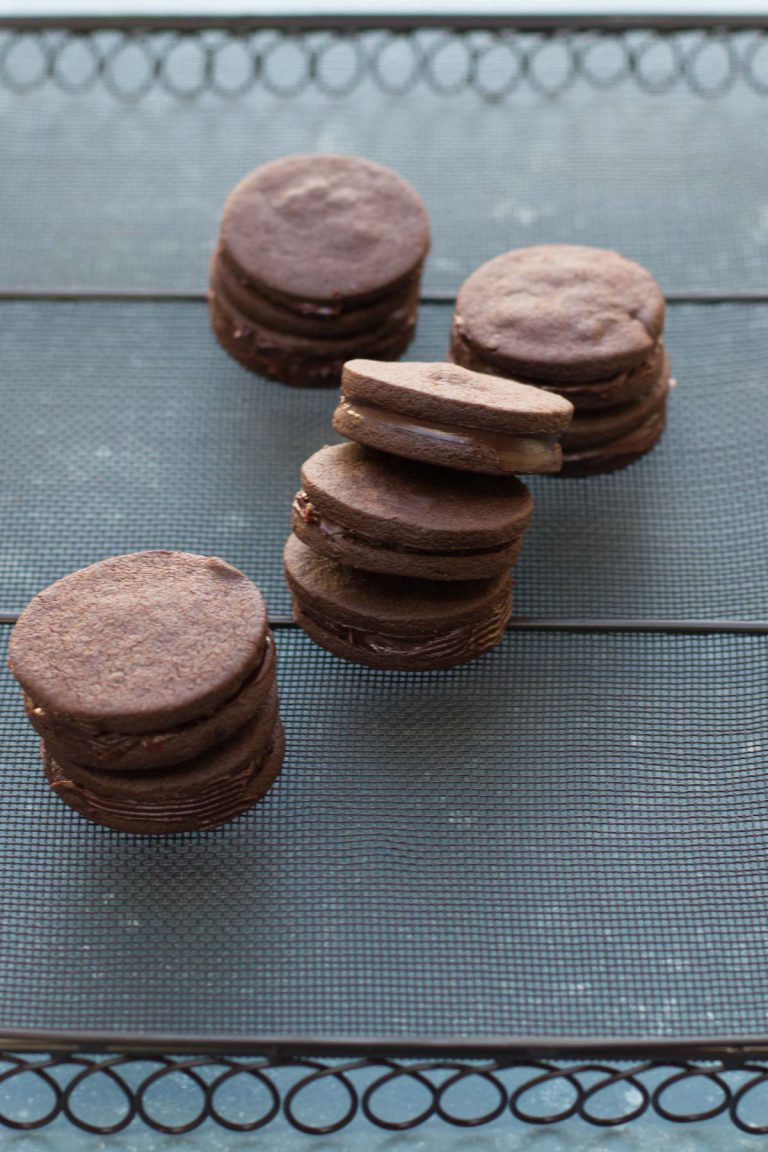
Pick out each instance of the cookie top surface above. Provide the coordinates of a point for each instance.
(140, 642)
(451, 395)
(561, 311)
(386, 604)
(320, 227)
(401, 502)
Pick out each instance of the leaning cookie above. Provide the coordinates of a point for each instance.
(392, 622)
(450, 416)
(384, 514)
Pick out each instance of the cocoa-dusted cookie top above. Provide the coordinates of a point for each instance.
(561, 312)
(140, 642)
(450, 394)
(385, 604)
(324, 228)
(404, 503)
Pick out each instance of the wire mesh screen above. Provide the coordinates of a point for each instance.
(568, 838)
(126, 427)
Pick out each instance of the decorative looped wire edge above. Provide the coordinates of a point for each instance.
(494, 64)
(157, 1089)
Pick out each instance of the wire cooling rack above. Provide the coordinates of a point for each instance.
(543, 875)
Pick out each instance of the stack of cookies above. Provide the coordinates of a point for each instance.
(319, 260)
(151, 679)
(583, 322)
(403, 540)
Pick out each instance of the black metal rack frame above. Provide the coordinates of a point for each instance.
(577, 34)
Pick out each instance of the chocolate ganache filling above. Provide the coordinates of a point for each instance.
(476, 636)
(507, 447)
(218, 801)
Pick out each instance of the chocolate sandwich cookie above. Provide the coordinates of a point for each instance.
(206, 792)
(561, 312)
(450, 416)
(145, 662)
(393, 622)
(398, 517)
(585, 323)
(332, 323)
(313, 251)
(585, 395)
(300, 360)
(140, 643)
(589, 429)
(315, 230)
(127, 752)
(624, 449)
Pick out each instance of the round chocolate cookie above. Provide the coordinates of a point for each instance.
(322, 228)
(619, 453)
(585, 395)
(392, 622)
(319, 260)
(597, 427)
(203, 794)
(447, 415)
(334, 322)
(397, 517)
(140, 643)
(299, 360)
(145, 751)
(560, 312)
